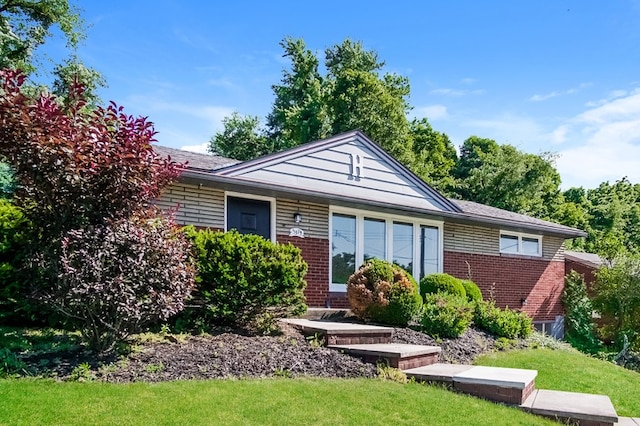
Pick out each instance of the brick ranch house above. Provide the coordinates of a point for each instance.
(343, 200)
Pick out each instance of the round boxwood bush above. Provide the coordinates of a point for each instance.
(473, 291)
(382, 292)
(441, 283)
(446, 315)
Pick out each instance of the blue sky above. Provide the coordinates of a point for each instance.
(557, 76)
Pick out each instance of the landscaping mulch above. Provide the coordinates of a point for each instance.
(236, 354)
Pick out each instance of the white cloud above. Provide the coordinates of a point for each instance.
(538, 98)
(432, 112)
(609, 144)
(201, 148)
(554, 94)
(559, 135)
(448, 92)
(468, 81)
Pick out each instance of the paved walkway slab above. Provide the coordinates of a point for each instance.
(497, 376)
(437, 372)
(336, 327)
(397, 350)
(628, 421)
(571, 405)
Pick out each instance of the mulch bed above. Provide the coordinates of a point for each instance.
(227, 354)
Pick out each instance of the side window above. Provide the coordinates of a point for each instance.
(513, 243)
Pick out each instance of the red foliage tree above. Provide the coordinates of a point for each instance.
(77, 167)
(98, 254)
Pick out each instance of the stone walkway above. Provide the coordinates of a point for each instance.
(507, 385)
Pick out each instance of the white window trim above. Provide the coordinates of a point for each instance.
(520, 236)
(360, 215)
(272, 209)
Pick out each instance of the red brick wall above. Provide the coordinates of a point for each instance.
(315, 252)
(514, 278)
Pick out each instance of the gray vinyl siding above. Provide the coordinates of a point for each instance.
(315, 218)
(202, 207)
(483, 240)
(553, 248)
(471, 239)
(329, 171)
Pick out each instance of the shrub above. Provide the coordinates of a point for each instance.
(502, 322)
(117, 278)
(242, 278)
(441, 283)
(446, 315)
(617, 299)
(14, 301)
(384, 293)
(472, 290)
(579, 328)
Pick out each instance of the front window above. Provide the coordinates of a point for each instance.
(358, 236)
(375, 239)
(403, 246)
(343, 247)
(514, 243)
(430, 250)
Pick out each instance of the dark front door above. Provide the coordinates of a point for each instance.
(249, 216)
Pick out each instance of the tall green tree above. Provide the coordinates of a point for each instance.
(434, 156)
(350, 93)
(25, 25)
(241, 138)
(503, 176)
(299, 112)
(359, 97)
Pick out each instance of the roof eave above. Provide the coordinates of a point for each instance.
(455, 216)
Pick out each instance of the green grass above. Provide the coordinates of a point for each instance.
(575, 372)
(247, 402)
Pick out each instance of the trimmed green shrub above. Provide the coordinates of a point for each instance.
(384, 293)
(14, 302)
(473, 291)
(502, 322)
(617, 300)
(579, 326)
(241, 278)
(446, 315)
(441, 283)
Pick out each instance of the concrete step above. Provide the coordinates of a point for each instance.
(508, 385)
(575, 408)
(628, 421)
(397, 355)
(342, 333)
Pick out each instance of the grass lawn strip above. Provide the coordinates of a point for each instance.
(572, 371)
(247, 402)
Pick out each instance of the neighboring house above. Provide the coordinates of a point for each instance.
(343, 200)
(585, 264)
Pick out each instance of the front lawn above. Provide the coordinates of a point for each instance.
(247, 402)
(575, 372)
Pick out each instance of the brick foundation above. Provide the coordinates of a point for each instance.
(513, 396)
(513, 279)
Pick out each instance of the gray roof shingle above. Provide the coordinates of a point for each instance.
(481, 210)
(468, 209)
(195, 160)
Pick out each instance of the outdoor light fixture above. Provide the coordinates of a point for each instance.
(297, 217)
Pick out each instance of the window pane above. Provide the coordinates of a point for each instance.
(508, 244)
(375, 239)
(403, 246)
(343, 248)
(530, 246)
(430, 245)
